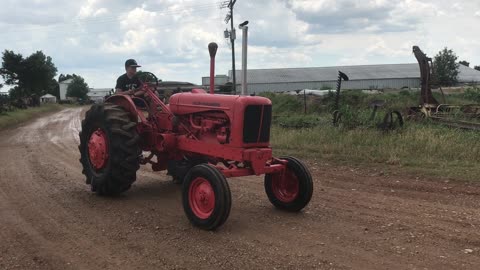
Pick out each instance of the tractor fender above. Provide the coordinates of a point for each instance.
(126, 102)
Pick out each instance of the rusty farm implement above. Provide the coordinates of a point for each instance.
(457, 116)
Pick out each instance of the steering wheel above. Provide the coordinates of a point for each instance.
(145, 75)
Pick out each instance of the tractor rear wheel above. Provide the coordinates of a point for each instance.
(291, 191)
(109, 149)
(206, 197)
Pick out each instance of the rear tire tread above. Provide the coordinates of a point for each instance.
(124, 152)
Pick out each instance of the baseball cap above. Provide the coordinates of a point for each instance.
(131, 63)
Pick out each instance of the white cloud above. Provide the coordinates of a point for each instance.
(341, 16)
(88, 9)
(169, 37)
(457, 6)
(100, 11)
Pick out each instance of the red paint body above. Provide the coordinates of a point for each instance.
(199, 138)
(232, 132)
(98, 149)
(200, 124)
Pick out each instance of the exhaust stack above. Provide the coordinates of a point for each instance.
(244, 28)
(212, 49)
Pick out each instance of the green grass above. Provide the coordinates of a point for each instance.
(9, 119)
(357, 100)
(473, 94)
(420, 149)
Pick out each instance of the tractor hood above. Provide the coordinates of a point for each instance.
(195, 102)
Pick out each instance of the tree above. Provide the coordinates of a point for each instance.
(445, 69)
(17, 93)
(77, 88)
(12, 68)
(477, 68)
(33, 75)
(465, 63)
(54, 89)
(62, 77)
(226, 88)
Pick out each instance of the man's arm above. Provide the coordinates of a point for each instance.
(118, 86)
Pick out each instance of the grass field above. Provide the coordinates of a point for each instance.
(423, 149)
(18, 116)
(419, 148)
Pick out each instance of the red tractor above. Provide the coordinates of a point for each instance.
(200, 138)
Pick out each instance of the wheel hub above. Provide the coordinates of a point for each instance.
(285, 186)
(201, 198)
(98, 149)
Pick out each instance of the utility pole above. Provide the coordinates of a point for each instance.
(231, 34)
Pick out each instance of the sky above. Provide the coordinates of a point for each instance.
(93, 38)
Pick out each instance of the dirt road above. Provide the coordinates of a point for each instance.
(357, 219)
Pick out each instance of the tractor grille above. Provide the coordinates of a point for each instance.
(256, 123)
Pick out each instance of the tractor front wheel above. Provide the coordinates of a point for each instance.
(292, 189)
(206, 197)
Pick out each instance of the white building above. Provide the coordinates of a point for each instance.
(48, 99)
(98, 94)
(219, 80)
(393, 76)
(63, 88)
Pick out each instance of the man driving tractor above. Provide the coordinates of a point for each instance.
(128, 83)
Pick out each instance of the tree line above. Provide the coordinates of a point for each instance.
(34, 76)
(465, 63)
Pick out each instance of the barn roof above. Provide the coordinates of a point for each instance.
(361, 72)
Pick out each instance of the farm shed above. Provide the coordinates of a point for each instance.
(48, 99)
(392, 76)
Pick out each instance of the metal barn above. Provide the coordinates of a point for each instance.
(393, 76)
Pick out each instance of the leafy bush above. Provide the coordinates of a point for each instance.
(354, 118)
(472, 94)
(356, 99)
(284, 104)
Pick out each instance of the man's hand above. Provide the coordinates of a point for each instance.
(128, 92)
(139, 93)
(119, 91)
